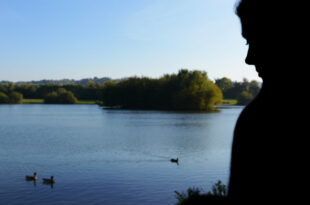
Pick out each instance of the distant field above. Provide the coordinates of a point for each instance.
(41, 101)
(86, 102)
(33, 101)
(230, 101)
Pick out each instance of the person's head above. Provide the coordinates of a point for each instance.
(267, 31)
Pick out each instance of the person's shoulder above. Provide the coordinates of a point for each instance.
(252, 108)
(251, 115)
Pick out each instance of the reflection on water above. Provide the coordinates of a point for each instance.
(110, 156)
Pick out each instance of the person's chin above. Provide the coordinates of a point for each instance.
(259, 71)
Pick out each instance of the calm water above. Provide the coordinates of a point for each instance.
(110, 156)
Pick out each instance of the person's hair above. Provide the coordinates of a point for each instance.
(270, 18)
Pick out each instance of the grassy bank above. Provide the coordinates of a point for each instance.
(230, 102)
(86, 102)
(41, 101)
(33, 101)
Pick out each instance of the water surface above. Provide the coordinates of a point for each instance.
(110, 156)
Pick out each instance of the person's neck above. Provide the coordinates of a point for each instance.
(275, 88)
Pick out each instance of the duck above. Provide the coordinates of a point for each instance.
(174, 160)
(49, 180)
(32, 178)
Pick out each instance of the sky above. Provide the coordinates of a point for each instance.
(75, 39)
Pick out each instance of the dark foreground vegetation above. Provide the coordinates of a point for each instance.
(218, 195)
(186, 90)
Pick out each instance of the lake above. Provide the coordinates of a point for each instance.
(104, 156)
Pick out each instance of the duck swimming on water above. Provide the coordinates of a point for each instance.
(174, 160)
(32, 178)
(49, 180)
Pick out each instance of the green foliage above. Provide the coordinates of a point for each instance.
(62, 96)
(188, 90)
(244, 98)
(194, 195)
(224, 84)
(234, 90)
(230, 101)
(3, 98)
(12, 98)
(15, 98)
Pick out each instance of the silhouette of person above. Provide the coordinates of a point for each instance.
(267, 145)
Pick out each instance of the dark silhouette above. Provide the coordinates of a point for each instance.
(268, 153)
(175, 160)
(49, 180)
(32, 178)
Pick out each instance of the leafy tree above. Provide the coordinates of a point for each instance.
(3, 88)
(254, 88)
(244, 98)
(62, 96)
(15, 98)
(3, 98)
(66, 97)
(188, 90)
(224, 84)
(233, 90)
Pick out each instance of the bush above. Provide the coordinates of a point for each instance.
(12, 98)
(194, 196)
(3, 98)
(15, 98)
(187, 90)
(244, 98)
(62, 96)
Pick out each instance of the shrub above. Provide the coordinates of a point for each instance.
(62, 96)
(194, 196)
(15, 98)
(187, 90)
(3, 98)
(244, 98)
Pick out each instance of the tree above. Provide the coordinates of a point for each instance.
(188, 90)
(224, 84)
(3, 98)
(254, 87)
(66, 97)
(244, 98)
(62, 96)
(15, 97)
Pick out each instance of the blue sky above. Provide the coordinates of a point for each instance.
(56, 39)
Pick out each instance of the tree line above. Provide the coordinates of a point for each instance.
(186, 90)
(51, 92)
(243, 91)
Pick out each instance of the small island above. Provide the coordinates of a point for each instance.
(186, 90)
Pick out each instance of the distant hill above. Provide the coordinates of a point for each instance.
(83, 81)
